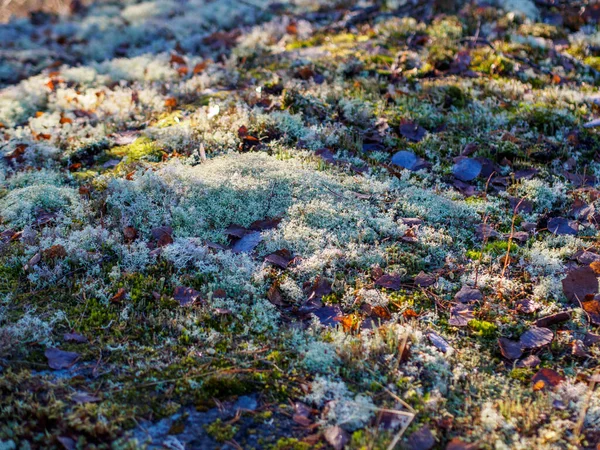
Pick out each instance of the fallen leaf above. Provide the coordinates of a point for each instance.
(553, 319)
(55, 251)
(536, 337)
(185, 296)
(527, 306)
(460, 315)
(425, 279)
(389, 281)
(562, 226)
(592, 308)
(281, 258)
(510, 349)
(468, 295)
(265, 224)
(484, 231)
(328, 315)
(458, 444)
(130, 234)
(529, 362)
(579, 283)
(422, 439)
(337, 437)
(75, 337)
(318, 289)
(67, 442)
(162, 235)
(120, 295)
(84, 397)
(247, 243)
(171, 102)
(466, 169)
(412, 131)
(274, 295)
(408, 160)
(546, 378)
(60, 359)
(439, 342)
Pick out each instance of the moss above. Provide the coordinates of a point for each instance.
(292, 444)
(142, 148)
(484, 329)
(221, 432)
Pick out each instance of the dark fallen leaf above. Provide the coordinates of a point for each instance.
(438, 342)
(553, 319)
(579, 283)
(586, 257)
(422, 439)
(130, 234)
(562, 226)
(265, 224)
(281, 258)
(536, 337)
(468, 295)
(545, 379)
(185, 295)
(247, 243)
(60, 359)
(408, 160)
(389, 281)
(328, 315)
(527, 306)
(412, 131)
(465, 189)
(520, 205)
(119, 296)
(579, 350)
(460, 315)
(590, 339)
(425, 279)
(337, 437)
(410, 235)
(67, 442)
(274, 295)
(510, 349)
(162, 235)
(318, 289)
(485, 231)
(529, 362)
(236, 231)
(592, 309)
(326, 155)
(55, 252)
(302, 420)
(411, 221)
(75, 337)
(466, 169)
(84, 397)
(458, 444)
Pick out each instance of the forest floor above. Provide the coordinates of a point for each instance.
(295, 225)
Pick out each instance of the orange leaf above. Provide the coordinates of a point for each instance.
(64, 120)
(182, 71)
(176, 59)
(199, 68)
(171, 102)
(50, 85)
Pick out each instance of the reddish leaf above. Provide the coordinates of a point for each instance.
(553, 319)
(120, 295)
(527, 306)
(510, 349)
(579, 283)
(54, 252)
(162, 235)
(458, 444)
(185, 296)
(84, 397)
(274, 295)
(546, 378)
(592, 308)
(536, 337)
(318, 289)
(59, 359)
(265, 224)
(425, 279)
(389, 281)
(280, 258)
(171, 102)
(130, 234)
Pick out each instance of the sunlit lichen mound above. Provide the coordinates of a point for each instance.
(300, 224)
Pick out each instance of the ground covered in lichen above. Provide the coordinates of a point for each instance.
(293, 225)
